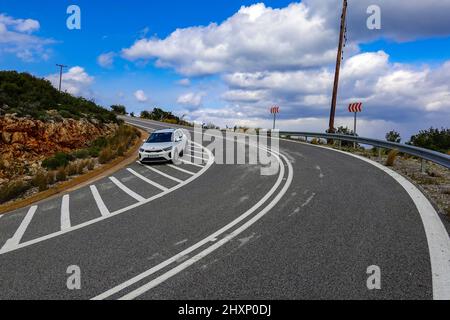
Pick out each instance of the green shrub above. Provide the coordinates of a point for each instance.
(81, 154)
(12, 190)
(60, 159)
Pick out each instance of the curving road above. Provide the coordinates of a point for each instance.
(214, 231)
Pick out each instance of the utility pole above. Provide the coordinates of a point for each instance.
(338, 68)
(61, 67)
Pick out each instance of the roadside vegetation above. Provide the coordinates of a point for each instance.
(64, 166)
(158, 114)
(27, 96)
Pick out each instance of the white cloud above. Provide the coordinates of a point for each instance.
(191, 99)
(255, 38)
(16, 38)
(106, 60)
(75, 81)
(184, 82)
(140, 96)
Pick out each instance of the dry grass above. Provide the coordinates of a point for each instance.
(61, 174)
(392, 156)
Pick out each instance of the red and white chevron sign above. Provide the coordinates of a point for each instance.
(275, 110)
(355, 107)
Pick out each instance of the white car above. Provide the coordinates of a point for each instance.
(163, 145)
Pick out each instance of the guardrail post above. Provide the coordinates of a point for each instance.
(423, 166)
(379, 154)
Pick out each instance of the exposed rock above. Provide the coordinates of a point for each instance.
(25, 142)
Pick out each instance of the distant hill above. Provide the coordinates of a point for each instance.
(26, 95)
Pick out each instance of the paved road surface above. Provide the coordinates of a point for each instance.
(210, 231)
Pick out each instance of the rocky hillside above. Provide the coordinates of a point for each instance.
(37, 121)
(24, 142)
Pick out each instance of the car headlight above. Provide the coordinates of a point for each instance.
(168, 149)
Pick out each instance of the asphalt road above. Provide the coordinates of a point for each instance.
(212, 231)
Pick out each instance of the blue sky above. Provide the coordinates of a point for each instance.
(263, 54)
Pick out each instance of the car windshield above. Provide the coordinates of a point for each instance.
(160, 137)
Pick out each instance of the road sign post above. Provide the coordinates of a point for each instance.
(274, 110)
(355, 108)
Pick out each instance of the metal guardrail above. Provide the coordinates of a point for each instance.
(433, 156)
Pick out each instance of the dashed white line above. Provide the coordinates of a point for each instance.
(15, 240)
(100, 204)
(181, 169)
(127, 190)
(65, 213)
(157, 185)
(164, 174)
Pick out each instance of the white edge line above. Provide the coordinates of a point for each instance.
(109, 215)
(436, 233)
(181, 169)
(127, 190)
(211, 238)
(65, 213)
(100, 204)
(162, 173)
(14, 242)
(157, 185)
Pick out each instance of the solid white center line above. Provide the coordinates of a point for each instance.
(147, 180)
(127, 190)
(182, 170)
(100, 204)
(15, 240)
(65, 213)
(164, 174)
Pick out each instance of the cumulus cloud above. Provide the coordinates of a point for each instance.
(16, 38)
(401, 20)
(286, 56)
(191, 99)
(106, 60)
(184, 82)
(75, 81)
(140, 96)
(255, 38)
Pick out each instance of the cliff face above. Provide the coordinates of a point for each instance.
(25, 142)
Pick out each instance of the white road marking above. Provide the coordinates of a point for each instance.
(181, 169)
(195, 157)
(198, 152)
(191, 163)
(437, 236)
(105, 212)
(100, 204)
(157, 185)
(211, 238)
(65, 213)
(164, 174)
(15, 240)
(127, 190)
(308, 201)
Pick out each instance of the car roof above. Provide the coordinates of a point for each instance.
(165, 131)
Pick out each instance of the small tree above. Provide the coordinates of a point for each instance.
(119, 109)
(393, 136)
(132, 115)
(433, 139)
(145, 115)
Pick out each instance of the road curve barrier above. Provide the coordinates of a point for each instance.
(424, 154)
